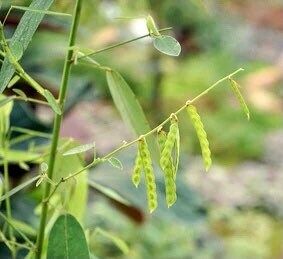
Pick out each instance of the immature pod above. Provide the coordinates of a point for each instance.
(170, 185)
(169, 144)
(202, 136)
(161, 137)
(235, 88)
(136, 176)
(166, 160)
(149, 175)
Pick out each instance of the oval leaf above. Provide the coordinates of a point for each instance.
(52, 102)
(167, 45)
(67, 239)
(115, 162)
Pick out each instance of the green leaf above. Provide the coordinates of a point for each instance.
(79, 149)
(23, 227)
(151, 27)
(20, 93)
(115, 162)
(107, 191)
(18, 188)
(17, 156)
(5, 111)
(74, 192)
(116, 240)
(52, 102)
(129, 107)
(13, 81)
(6, 100)
(67, 239)
(23, 35)
(23, 8)
(167, 45)
(17, 50)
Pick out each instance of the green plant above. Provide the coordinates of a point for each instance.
(67, 232)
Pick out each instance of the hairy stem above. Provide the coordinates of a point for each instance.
(57, 125)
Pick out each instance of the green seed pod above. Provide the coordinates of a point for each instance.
(136, 176)
(236, 90)
(161, 136)
(170, 186)
(202, 136)
(149, 175)
(169, 144)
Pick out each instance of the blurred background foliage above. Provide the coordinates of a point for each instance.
(235, 211)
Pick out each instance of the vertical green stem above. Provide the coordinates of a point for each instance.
(57, 125)
(7, 200)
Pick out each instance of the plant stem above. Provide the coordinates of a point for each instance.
(7, 200)
(121, 44)
(57, 125)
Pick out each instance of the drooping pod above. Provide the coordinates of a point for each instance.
(166, 159)
(236, 90)
(202, 136)
(136, 176)
(149, 175)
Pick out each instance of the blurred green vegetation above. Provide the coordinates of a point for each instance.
(193, 228)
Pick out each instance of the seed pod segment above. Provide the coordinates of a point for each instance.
(236, 90)
(169, 144)
(149, 175)
(202, 136)
(136, 176)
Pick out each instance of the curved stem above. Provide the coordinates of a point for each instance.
(121, 43)
(57, 125)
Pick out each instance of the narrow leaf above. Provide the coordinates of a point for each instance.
(167, 45)
(13, 81)
(23, 8)
(6, 100)
(52, 102)
(19, 188)
(79, 149)
(67, 239)
(116, 240)
(23, 35)
(129, 107)
(20, 93)
(109, 192)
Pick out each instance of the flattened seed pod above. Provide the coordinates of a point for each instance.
(235, 88)
(202, 136)
(149, 175)
(169, 144)
(166, 161)
(136, 176)
(161, 136)
(170, 185)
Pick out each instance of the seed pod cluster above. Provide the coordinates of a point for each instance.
(202, 136)
(235, 88)
(166, 160)
(143, 162)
